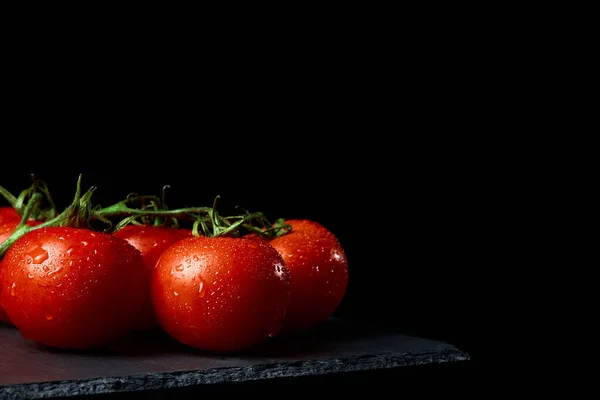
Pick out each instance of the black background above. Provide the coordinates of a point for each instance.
(385, 140)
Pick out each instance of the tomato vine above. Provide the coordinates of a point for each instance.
(206, 221)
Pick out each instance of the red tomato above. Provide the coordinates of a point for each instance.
(72, 288)
(8, 214)
(318, 273)
(151, 241)
(220, 294)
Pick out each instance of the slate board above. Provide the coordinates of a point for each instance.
(154, 361)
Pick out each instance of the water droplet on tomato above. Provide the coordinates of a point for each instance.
(61, 238)
(337, 255)
(30, 275)
(55, 271)
(201, 291)
(83, 242)
(75, 250)
(12, 289)
(195, 258)
(175, 293)
(45, 268)
(179, 267)
(49, 317)
(36, 256)
(279, 270)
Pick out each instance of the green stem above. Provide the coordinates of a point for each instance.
(50, 211)
(121, 208)
(12, 200)
(22, 228)
(222, 226)
(19, 203)
(76, 215)
(80, 213)
(280, 228)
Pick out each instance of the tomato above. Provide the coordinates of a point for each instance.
(151, 241)
(220, 294)
(8, 214)
(318, 273)
(72, 288)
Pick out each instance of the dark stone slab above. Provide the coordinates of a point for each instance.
(145, 362)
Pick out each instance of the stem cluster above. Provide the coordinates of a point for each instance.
(36, 203)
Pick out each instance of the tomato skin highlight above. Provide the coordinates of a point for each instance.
(220, 294)
(318, 273)
(72, 288)
(151, 241)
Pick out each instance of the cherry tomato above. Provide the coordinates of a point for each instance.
(72, 288)
(318, 273)
(220, 294)
(151, 241)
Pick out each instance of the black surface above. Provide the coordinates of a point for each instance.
(149, 362)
